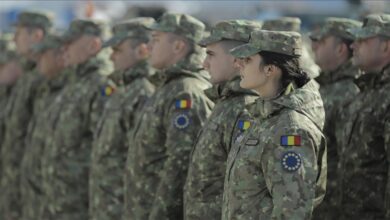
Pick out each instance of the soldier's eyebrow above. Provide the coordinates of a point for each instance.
(210, 52)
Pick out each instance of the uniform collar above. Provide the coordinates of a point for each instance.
(344, 71)
(374, 80)
(265, 108)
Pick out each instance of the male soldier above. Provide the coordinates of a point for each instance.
(31, 28)
(130, 87)
(10, 71)
(50, 65)
(294, 24)
(333, 55)
(72, 119)
(166, 131)
(365, 127)
(204, 186)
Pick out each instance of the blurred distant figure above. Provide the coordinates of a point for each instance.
(127, 90)
(51, 66)
(31, 28)
(363, 128)
(331, 46)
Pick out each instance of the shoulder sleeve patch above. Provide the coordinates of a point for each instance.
(291, 161)
(107, 90)
(290, 140)
(181, 121)
(183, 104)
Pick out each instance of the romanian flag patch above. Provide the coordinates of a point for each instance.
(183, 104)
(290, 140)
(244, 124)
(107, 90)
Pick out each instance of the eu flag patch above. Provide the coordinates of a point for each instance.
(244, 124)
(290, 140)
(107, 90)
(183, 104)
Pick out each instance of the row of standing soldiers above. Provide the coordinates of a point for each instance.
(241, 132)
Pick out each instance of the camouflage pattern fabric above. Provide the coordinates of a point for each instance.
(204, 186)
(66, 155)
(363, 133)
(30, 168)
(159, 153)
(128, 92)
(18, 113)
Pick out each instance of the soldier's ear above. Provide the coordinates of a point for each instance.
(95, 44)
(38, 34)
(142, 51)
(178, 46)
(386, 46)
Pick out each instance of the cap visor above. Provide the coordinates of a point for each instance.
(359, 33)
(209, 40)
(112, 42)
(244, 51)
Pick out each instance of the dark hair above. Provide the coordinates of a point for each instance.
(291, 70)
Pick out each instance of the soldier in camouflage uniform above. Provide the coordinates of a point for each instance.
(72, 119)
(204, 185)
(130, 87)
(10, 71)
(30, 29)
(278, 169)
(294, 24)
(51, 66)
(364, 127)
(163, 136)
(333, 54)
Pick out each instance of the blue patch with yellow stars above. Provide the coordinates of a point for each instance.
(181, 121)
(291, 161)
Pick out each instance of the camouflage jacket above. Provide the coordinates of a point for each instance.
(204, 186)
(337, 89)
(5, 92)
(30, 168)
(363, 132)
(278, 170)
(67, 147)
(159, 152)
(109, 148)
(18, 113)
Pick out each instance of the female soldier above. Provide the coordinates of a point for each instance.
(278, 170)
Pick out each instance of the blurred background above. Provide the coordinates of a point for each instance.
(310, 11)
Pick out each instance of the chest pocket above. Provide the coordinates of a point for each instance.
(244, 158)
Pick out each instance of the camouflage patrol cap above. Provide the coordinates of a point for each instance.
(7, 48)
(49, 42)
(283, 24)
(336, 27)
(35, 19)
(180, 24)
(132, 28)
(81, 27)
(373, 25)
(283, 42)
(238, 30)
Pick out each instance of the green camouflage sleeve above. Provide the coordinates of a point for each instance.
(185, 117)
(387, 148)
(289, 165)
